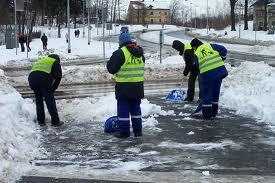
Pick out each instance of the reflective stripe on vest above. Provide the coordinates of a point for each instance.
(44, 65)
(132, 70)
(208, 58)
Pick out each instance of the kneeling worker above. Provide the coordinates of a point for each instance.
(44, 79)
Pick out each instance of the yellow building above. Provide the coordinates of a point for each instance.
(148, 12)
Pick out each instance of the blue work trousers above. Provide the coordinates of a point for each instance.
(125, 108)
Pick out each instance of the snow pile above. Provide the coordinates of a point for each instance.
(250, 90)
(19, 139)
(99, 109)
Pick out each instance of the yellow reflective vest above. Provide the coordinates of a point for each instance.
(208, 58)
(132, 70)
(187, 47)
(44, 65)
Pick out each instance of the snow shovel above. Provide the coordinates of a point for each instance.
(176, 96)
(198, 109)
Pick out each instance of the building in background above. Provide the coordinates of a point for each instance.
(148, 12)
(263, 11)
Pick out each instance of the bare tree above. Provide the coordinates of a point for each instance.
(174, 7)
(232, 14)
(245, 15)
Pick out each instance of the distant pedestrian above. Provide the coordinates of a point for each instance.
(22, 41)
(78, 32)
(44, 40)
(67, 37)
(210, 60)
(75, 33)
(28, 40)
(127, 64)
(44, 79)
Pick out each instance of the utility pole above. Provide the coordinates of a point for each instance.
(96, 17)
(89, 30)
(69, 26)
(15, 27)
(103, 27)
(83, 19)
(207, 22)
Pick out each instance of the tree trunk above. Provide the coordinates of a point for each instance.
(74, 21)
(232, 14)
(114, 17)
(245, 15)
(265, 16)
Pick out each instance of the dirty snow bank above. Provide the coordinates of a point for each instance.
(250, 90)
(100, 109)
(19, 139)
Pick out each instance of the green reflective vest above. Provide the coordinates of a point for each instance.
(44, 65)
(132, 70)
(208, 59)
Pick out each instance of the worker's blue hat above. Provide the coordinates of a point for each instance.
(124, 38)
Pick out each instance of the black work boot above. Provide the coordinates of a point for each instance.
(56, 122)
(120, 135)
(41, 123)
(138, 134)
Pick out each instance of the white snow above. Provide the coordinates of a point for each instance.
(79, 46)
(19, 138)
(250, 90)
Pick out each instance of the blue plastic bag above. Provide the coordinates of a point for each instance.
(111, 124)
(176, 96)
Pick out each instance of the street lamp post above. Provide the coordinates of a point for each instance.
(191, 16)
(15, 27)
(207, 22)
(89, 26)
(83, 19)
(69, 26)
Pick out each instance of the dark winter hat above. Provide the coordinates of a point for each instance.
(195, 43)
(179, 46)
(55, 56)
(124, 38)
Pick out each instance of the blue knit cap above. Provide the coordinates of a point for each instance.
(124, 38)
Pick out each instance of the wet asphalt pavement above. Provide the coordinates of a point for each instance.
(228, 145)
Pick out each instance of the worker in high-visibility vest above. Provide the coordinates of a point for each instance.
(186, 51)
(209, 58)
(44, 79)
(127, 64)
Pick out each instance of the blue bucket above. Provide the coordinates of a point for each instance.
(176, 96)
(111, 124)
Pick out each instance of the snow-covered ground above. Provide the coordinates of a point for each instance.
(249, 90)
(257, 49)
(79, 46)
(19, 137)
(244, 34)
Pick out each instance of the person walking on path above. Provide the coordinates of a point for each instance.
(187, 52)
(210, 60)
(127, 64)
(22, 41)
(44, 40)
(28, 42)
(67, 37)
(44, 79)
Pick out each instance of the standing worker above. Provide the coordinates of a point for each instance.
(44, 40)
(210, 60)
(44, 79)
(127, 64)
(187, 52)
